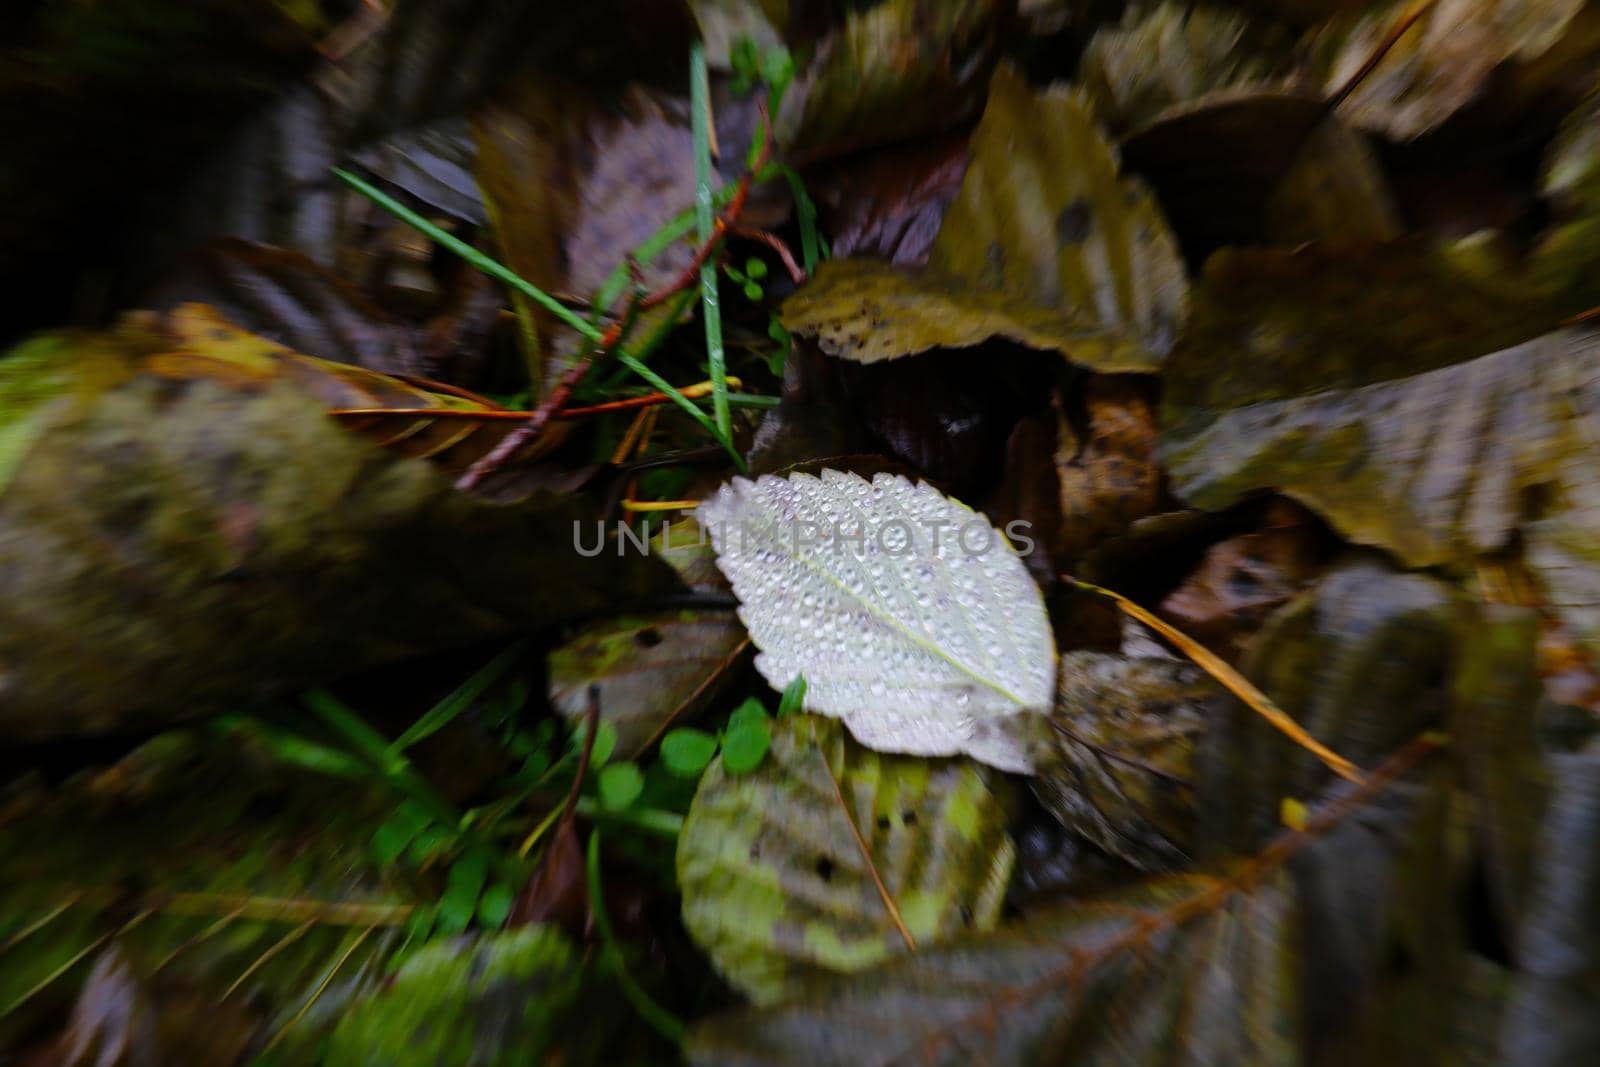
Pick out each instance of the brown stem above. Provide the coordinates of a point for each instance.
(502, 453)
(774, 242)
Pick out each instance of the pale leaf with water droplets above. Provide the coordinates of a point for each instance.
(911, 618)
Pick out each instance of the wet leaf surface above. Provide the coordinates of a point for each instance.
(287, 298)
(1362, 661)
(869, 311)
(792, 870)
(919, 645)
(1543, 1023)
(1216, 162)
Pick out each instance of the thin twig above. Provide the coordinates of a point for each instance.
(316, 994)
(797, 274)
(1232, 680)
(266, 957)
(649, 400)
(889, 904)
(1211, 899)
(1402, 23)
(77, 957)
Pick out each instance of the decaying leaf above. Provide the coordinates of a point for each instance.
(888, 203)
(1362, 661)
(869, 311)
(1116, 756)
(1545, 1022)
(1334, 190)
(184, 528)
(897, 69)
(1570, 184)
(1496, 692)
(1044, 245)
(1172, 54)
(830, 858)
(1103, 980)
(909, 616)
(290, 299)
(450, 427)
(1243, 579)
(1346, 378)
(1216, 162)
(1043, 213)
(652, 670)
(1443, 61)
(1110, 478)
(576, 182)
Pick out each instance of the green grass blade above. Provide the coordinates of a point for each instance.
(710, 307)
(805, 211)
(440, 715)
(489, 266)
(658, 382)
(374, 747)
(721, 431)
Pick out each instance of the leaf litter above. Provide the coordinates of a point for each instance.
(1161, 625)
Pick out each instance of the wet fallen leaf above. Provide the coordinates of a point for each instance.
(1110, 478)
(290, 299)
(1095, 981)
(1362, 661)
(829, 858)
(1157, 58)
(869, 311)
(1077, 238)
(1217, 161)
(894, 70)
(1355, 379)
(919, 644)
(1334, 189)
(651, 670)
(1443, 61)
(888, 203)
(1117, 751)
(576, 181)
(1544, 1023)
